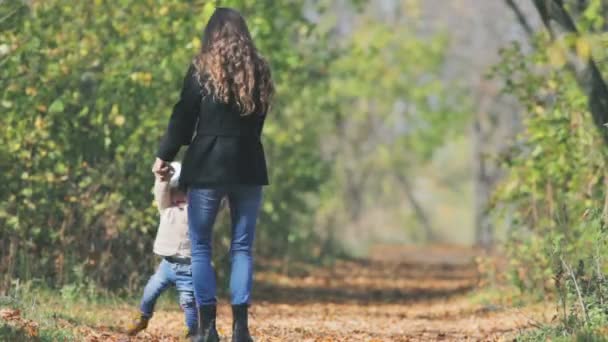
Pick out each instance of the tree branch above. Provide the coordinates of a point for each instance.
(590, 79)
(581, 302)
(521, 18)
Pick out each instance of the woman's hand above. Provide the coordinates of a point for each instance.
(161, 169)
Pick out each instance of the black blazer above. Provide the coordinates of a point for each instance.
(224, 146)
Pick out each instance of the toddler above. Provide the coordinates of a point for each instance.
(173, 245)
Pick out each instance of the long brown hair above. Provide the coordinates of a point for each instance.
(229, 66)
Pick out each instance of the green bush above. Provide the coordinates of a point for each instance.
(555, 194)
(555, 170)
(85, 94)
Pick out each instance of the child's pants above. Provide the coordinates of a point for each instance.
(167, 274)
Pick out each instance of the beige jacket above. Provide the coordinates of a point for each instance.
(172, 236)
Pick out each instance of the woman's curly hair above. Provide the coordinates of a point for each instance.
(229, 66)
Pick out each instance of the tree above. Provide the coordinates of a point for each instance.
(559, 23)
(390, 111)
(555, 185)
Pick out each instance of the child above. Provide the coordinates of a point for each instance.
(172, 243)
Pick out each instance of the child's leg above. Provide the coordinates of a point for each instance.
(158, 283)
(185, 289)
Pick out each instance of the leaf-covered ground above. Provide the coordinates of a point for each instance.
(399, 294)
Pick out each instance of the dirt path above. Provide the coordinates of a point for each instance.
(400, 294)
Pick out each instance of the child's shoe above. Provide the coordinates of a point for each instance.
(189, 334)
(138, 324)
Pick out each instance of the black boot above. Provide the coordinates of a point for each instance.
(206, 331)
(240, 328)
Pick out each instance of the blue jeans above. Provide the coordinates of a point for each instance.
(166, 275)
(203, 206)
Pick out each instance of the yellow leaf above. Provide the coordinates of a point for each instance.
(119, 120)
(556, 55)
(31, 91)
(583, 48)
(39, 123)
(412, 8)
(195, 44)
(50, 177)
(539, 110)
(163, 10)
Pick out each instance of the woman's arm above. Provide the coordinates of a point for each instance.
(183, 119)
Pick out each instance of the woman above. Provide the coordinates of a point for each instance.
(223, 104)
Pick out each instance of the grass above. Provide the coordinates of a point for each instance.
(497, 292)
(551, 333)
(53, 315)
(510, 296)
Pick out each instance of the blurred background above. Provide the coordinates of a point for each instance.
(454, 122)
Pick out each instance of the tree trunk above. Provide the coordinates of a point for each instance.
(484, 230)
(418, 210)
(8, 266)
(521, 18)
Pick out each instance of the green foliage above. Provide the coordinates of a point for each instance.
(556, 169)
(86, 91)
(390, 110)
(582, 288)
(556, 191)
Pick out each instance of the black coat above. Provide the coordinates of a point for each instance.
(224, 146)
